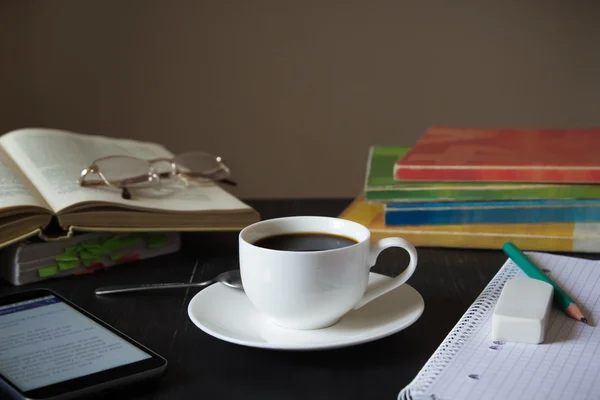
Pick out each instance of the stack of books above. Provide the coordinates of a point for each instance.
(478, 188)
(50, 226)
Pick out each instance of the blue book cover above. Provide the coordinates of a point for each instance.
(492, 212)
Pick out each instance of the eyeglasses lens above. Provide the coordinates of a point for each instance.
(126, 171)
(201, 163)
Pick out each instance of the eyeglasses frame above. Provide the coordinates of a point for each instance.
(152, 175)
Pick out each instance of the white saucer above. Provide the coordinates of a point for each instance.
(227, 314)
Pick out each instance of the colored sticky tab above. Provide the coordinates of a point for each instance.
(88, 262)
(70, 251)
(93, 249)
(111, 243)
(131, 241)
(95, 252)
(47, 271)
(66, 258)
(66, 265)
(118, 255)
(157, 241)
(88, 255)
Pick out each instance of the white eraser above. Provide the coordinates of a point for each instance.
(522, 312)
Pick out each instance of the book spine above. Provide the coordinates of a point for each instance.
(530, 215)
(520, 204)
(483, 174)
(491, 242)
(566, 237)
(566, 192)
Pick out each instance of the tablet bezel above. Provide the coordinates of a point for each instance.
(101, 380)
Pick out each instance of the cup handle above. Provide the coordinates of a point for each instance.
(374, 251)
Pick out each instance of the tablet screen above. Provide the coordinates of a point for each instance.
(44, 341)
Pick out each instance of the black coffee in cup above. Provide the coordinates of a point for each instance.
(305, 241)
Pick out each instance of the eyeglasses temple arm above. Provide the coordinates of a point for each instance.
(228, 182)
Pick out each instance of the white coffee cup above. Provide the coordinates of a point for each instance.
(313, 289)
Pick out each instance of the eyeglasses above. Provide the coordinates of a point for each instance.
(128, 172)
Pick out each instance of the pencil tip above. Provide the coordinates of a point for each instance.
(584, 320)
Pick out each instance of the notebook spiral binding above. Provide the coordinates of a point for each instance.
(479, 311)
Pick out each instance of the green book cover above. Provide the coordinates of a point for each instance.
(380, 185)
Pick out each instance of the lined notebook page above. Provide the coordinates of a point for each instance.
(566, 365)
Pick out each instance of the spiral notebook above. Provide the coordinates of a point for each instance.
(470, 365)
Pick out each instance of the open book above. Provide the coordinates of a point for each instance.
(39, 191)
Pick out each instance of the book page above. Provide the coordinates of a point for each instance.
(53, 161)
(14, 188)
(565, 365)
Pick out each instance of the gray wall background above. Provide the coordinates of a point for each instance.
(293, 93)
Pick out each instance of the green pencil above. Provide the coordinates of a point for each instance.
(531, 270)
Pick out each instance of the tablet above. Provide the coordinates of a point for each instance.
(52, 349)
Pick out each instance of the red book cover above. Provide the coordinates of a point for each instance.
(503, 155)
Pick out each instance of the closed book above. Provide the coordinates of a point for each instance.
(35, 260)
(503, 155)
(381, 186)
(565, 237)
(492, 212)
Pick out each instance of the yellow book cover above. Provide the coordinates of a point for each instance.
(560, 237)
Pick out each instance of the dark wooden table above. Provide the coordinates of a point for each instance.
(203, 367)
